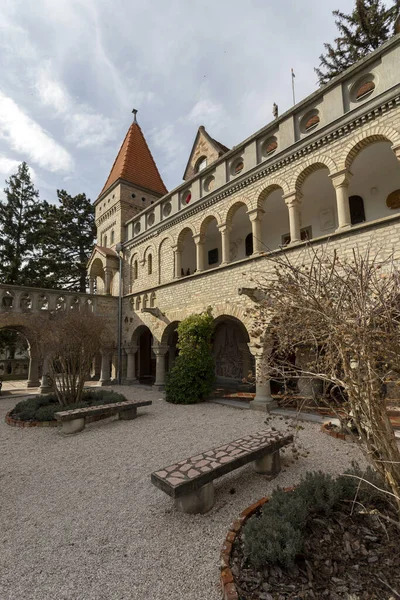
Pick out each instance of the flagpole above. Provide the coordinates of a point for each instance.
(294, 97)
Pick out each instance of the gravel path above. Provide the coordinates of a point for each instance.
(80, 519)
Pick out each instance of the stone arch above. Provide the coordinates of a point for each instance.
(133, 269)
(233, 207)
(375, 134)
(264, 191)
(143, 338)
(233, 360)
(207, 220)
(149, 248)
(320, 162)
(183, 232)
(235, 311)
(165, 263)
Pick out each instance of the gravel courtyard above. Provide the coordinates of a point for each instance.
(80, 519)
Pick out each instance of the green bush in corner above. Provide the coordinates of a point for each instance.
(192, 376)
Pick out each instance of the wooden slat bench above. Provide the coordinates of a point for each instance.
(73, 421)
(189, 482)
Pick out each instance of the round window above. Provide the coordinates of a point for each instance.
(186, 197)
(209, 184)
(167, 209)
(269, 146)
(310, 121)
(150, 219)
(137, 228)
(363, 88)
(237, 166)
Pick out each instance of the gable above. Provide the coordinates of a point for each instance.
(206, 149)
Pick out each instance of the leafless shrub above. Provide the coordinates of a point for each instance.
(343, 317)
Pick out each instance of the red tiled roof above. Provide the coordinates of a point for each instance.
(135, 164)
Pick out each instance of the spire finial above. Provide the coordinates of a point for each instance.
(134, 115)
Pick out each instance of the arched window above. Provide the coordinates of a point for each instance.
(249, 244)
(150, 264)
(201, 164)
(135, 270)
(112, 236)
(357, 212)
(105, 242)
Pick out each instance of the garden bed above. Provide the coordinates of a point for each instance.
(38, 411)
(336, 432)
(348, 550)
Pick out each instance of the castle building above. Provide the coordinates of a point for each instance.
(327, 169)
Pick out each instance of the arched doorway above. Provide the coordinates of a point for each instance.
(170, 338)
(19, 358)
(233, 360)
(145, 360)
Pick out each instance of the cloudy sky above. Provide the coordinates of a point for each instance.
(72, 70)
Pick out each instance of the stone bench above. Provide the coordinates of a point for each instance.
(73, 421)
(189, 482)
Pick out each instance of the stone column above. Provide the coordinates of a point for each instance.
(33, 373)
(160, 352)
(293, 203)
(309, 387)
(105, 378)
(45, 384)
(114, 366)
(178, 261)
(91, 285)
(107, 280)
(130, 369)
(263, 399)
(256, 216)
(225, 243)
(341, 182)
(200, 253)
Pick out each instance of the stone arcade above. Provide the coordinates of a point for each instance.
(329, 168)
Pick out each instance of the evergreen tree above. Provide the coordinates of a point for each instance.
(67, 241)
(369, 25)
(20, 214)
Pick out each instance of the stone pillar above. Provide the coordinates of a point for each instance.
(293, 203)
(114, 366)
(396, 150)
(91, 285)
(256, 216)
(130, 369)
(310, 387)
(107, 280)
(263, 399)
(200, 253)
(45, 386)
(33, 373)
(105, 367)
(341, 182)
(225, 243)
(178, 261)
(160, 352)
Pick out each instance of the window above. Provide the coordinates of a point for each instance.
(105, 241)
(150, 264)
(201, 164)
(249, 244)
(305, 234)
(237, 166)
(357, 212)
(112, 237)
(213, 256)
(135, 270)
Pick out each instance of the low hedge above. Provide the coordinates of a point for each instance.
(42, 408)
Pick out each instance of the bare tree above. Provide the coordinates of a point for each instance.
(70, 342)
(343, 316)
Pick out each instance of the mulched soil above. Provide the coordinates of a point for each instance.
(352, 557)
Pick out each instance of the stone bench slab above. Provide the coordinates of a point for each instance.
(189, 475)
(110, 409)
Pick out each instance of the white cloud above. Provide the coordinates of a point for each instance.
(206, 112)
(26, 137)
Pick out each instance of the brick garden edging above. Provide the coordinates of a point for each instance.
(228, 587)
(18, 423)
(336, 434)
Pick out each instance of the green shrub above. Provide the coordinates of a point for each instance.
(276, 535)
(42, 408)
(192, 376)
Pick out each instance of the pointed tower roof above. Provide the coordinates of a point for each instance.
(135, 164)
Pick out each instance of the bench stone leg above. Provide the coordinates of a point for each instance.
(74, 426)
(127, 415)
(270, 464)
(200, 501)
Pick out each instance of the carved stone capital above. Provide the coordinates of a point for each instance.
(396, 149)
(293, 199)
(341, 178)
(199, 238)
(160, 350)
(255, 214)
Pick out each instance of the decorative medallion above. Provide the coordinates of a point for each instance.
(393, 200)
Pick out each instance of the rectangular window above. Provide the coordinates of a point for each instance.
(213, 256)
